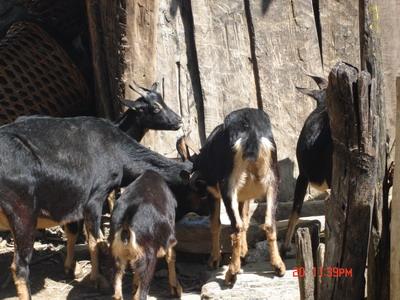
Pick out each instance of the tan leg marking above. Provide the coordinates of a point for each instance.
(120, 266)
(95, 276)
(234, 266)
(270, 229)
(136, 287)
(20, 283)
(70, 266)
(215, 225)
(244, 211)
(176, 289)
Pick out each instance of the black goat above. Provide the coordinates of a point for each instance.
(147, 112)
(238, 163)
(52, 172)
(314, 155)
(142, 229)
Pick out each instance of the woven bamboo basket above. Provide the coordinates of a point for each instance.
(37, 76)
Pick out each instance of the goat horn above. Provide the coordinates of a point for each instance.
(137, 91)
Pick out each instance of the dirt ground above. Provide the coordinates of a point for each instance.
(48, 280)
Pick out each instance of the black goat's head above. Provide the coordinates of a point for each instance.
(152, 111)
(318, 95)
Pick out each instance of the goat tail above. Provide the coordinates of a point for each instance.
(126, 234)
(124, 244)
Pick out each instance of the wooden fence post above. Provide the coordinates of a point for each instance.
(105, 22)
(354, 126)
(305, 262)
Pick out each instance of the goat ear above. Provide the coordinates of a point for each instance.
(308, 92)
(320, 81)
(141, 91)
(154, 87)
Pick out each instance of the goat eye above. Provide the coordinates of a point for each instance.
(156, 110)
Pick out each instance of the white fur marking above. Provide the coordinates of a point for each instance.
(267, 143)
(128, 251)
(237, 144)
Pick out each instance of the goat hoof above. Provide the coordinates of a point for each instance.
(230, 278)
(117, 297)
(280, 268)
(176, 291)
(214, 262)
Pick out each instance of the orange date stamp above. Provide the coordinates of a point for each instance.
(330, 272)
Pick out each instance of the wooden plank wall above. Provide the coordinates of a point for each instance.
(218, 56)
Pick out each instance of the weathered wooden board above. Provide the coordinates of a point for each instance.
(286, 43)
(172, 71)
(352, 110)
(340, 32)
(104, 19)
(141, 36)
(395, 221)
(223, 50)
(388, 27)
(304, 259)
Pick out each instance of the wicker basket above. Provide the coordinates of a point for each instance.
(37, 76)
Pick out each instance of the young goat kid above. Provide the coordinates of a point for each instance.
(314, 155)
(142, 229)
(238, 163)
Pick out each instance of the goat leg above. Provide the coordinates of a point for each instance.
(234, 265)
(215, 257)
(145, 274)
(244, 213)
(120, 268)
(94, 237)
(270, 229)
(176, 289)
(24, 236)
(299, 194)
(71, 268)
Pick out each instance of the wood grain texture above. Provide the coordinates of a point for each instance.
(286, 44)
(395, 221)
(352, 109)
(104, 21)
(223, 50)
(304, 259)
(340, 32)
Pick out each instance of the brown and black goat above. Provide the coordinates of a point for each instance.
(238, 163)
(314, 155)
(142, 230)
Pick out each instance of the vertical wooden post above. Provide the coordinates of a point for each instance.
(371, 61)
(305, 261)
(319, 266)
(141, 34)
(354, 126)
(395, 206)
(105, 28)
